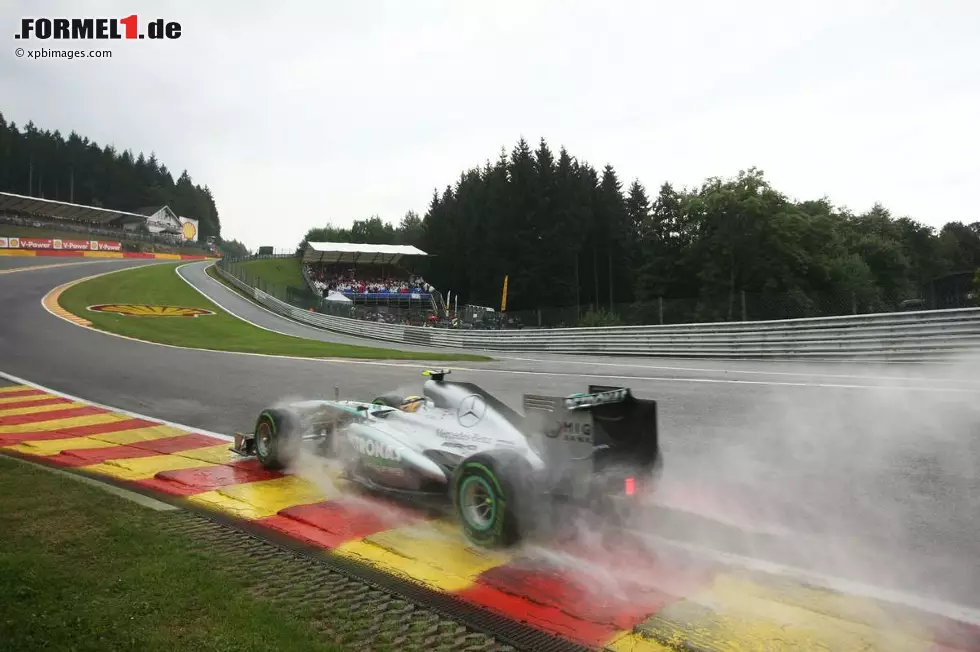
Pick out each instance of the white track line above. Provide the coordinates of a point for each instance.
(230, 312)
(726, 381)
(368, 341)
(410, 363)
(962, 613)
(841, 585)
(415, 364)
(132, 496)
(838, 584)
(595, 363)
(31, 268)
(587, 361)
(135, 415)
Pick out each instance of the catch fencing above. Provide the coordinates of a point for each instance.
(921, 335)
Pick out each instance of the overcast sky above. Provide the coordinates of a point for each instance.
(301, 113)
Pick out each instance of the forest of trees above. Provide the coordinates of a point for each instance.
(567, 234)
(47, 165)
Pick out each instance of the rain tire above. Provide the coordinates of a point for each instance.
(278, 449)
(503, 477)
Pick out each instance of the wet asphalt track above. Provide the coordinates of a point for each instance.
(13, 262)
(746, 372)
(877, 465)
(9, 263)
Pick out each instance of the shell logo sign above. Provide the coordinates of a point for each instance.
(188, 229)
(147, 310)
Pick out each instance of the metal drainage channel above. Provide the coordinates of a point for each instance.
(288, 571)
(300, 573)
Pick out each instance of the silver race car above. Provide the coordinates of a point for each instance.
(499, 469)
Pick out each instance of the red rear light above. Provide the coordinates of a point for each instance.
(630, 486)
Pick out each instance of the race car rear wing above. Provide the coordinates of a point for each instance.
(633, 424)
(606, 428)
(597, 397)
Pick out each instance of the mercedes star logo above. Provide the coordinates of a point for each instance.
(471, 411)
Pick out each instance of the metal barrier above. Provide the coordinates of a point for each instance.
(933, 334)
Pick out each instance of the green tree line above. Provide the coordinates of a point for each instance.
(233, 249)
(567, 234)
(45, 164)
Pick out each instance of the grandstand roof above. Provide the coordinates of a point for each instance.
(150, 210)
(63, 210)
(352, 252)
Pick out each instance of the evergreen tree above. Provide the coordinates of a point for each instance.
(409, 230)
(566, 235)
(45, 164)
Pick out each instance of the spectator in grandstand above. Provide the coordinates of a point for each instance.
(324, 280)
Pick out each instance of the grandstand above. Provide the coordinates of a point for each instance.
(370, 281)
(26, 217)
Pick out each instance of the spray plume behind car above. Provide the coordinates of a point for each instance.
(872, 487)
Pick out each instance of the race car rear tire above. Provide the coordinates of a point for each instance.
(490, 493)
(277, 438)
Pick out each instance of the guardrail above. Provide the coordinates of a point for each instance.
(933, 334)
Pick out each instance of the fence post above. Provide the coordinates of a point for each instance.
(744, 313)
(854, 303)
(660, 301)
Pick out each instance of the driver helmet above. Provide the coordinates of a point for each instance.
(412, 403)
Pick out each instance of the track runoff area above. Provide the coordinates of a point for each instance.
(619, 594)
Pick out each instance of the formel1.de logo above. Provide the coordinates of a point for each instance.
(80, 29)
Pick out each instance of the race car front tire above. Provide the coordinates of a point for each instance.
(276, 438)
(490, 492)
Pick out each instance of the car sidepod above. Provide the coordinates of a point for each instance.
(385, 460)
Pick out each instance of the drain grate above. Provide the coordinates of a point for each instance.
(355, 605)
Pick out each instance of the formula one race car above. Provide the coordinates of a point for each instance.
(500, 469)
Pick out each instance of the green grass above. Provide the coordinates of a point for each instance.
(212, 271)
(276, 271)
(159, 284)
(83, 570)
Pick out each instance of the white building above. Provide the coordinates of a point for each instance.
(161, 220)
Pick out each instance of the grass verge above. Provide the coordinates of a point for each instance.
(160, 285)
(211, 271)
(86, 570)
(276, 271)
